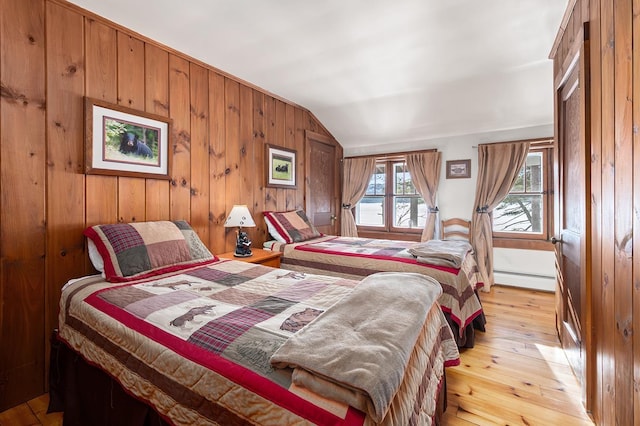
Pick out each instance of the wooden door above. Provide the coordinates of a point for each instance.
(573, 214)
(322, 191)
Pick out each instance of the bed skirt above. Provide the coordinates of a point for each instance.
(466, 339)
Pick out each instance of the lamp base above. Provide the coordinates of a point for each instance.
(243, 245)
(243, 254)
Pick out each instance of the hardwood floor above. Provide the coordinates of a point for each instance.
(515, 375)
(31, 413)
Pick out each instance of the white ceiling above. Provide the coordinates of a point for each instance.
(380, 75)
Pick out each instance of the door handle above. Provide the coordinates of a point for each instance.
(555, 240)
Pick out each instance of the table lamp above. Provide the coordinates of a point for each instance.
(240, 216)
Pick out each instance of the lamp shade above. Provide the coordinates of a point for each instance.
(239, 216)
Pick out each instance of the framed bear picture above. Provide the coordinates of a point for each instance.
(281, 167)
(121, 141)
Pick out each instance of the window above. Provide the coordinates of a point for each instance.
(526, 212)
(391, 203)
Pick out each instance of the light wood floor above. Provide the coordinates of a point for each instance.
(32, 413)
(515, 375)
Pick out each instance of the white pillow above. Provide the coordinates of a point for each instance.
(273, 231)
(95, 257)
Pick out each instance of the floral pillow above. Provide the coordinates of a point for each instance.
(131, 251)
(290, 227)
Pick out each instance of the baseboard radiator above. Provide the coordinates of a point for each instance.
(524, 280)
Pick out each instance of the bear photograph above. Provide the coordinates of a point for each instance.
(127, 142)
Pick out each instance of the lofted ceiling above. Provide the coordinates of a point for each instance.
(380, 75)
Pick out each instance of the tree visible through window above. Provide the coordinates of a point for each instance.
(523, 213)
(409, 209)
(391, 202)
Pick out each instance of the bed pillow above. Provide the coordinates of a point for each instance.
(290, 227)
(131, 251)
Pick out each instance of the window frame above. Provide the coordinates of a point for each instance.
(373, 228)
(525, 240)
(391, 210)
(388, 197)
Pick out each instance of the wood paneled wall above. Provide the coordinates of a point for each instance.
(613, 393)
(52, 55)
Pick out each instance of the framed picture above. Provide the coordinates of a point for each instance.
(121, 141)
(281, 167)
(458, 169)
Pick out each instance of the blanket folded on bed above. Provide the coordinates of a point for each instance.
(358, 349)
(441, 252)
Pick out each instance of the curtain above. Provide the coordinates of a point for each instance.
(356, 175)
(425, 174)
(498, 168)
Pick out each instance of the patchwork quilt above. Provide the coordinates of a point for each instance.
(196, 345)
(355, 258)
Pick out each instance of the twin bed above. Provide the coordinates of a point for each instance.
(187, 338)
(451, 263)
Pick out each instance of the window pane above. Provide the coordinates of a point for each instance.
(398, 178)
(409, 212)
(377, 181)
(402, 183)
(370, 211)
(534, 172)
(519, 213)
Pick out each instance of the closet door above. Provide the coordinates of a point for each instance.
(573, 213)
(322, 191)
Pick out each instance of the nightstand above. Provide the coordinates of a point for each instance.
(259, 256)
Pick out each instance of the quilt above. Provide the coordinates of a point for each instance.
(442, 252)
(196, 345)
(390, 334)
(355, 258)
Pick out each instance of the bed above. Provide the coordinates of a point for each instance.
(304, 249)
(193, 339)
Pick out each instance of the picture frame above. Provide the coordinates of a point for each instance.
(121, 141)
(458, 169)
(281, 167)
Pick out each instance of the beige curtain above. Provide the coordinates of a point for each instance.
(425, 174)
(498, 167)
(356, 175)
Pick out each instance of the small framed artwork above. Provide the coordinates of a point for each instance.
(121, 141)
(458, 169)
(281, 167)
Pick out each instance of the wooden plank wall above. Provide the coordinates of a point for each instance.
(22, 205)
(614, 25)
(52, 55)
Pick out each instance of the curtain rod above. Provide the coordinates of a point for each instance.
(392, 154)
(533, 142)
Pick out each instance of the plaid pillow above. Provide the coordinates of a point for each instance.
(131, 251)
(291, 227)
